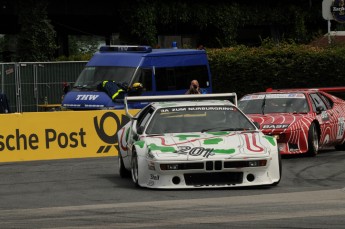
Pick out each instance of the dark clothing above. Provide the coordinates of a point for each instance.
(113, 89)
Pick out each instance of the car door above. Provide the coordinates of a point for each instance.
(337, 122)
(138, 126)
(324, 116)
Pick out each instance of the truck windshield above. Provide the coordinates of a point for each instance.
(90, 77)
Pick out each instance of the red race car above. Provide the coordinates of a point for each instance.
(303, 120)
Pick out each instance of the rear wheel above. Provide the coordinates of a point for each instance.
(124, 173)
(313, 140)
(134, 168)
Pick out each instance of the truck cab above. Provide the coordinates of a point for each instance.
(160, 71)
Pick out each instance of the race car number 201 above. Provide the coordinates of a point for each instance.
(196, 151)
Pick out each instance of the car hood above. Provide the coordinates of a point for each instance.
(215, 145)
(279, 121)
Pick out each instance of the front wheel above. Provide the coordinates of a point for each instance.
(313, 141)
(124, 173)
(340, 147)
(134, 168)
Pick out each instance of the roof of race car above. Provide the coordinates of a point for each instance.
(306, 90)
(326, 90)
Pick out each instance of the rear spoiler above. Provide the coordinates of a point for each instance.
(325, 89)
(215, 96)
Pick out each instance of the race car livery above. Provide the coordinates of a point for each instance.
(302, 120)
(199, 143)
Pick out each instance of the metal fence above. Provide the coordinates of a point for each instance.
(27, 84)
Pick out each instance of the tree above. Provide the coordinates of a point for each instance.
(36, 40)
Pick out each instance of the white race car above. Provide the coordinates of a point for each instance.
(195, 141)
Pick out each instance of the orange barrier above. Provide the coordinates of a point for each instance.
(59, 135)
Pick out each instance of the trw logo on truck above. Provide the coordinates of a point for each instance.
(87, 97)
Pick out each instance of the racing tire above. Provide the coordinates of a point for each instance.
(134, 168)
(124, 173)
(340, 147)
(280, 169)
(313, 141)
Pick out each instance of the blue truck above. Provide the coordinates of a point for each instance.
(166, 71)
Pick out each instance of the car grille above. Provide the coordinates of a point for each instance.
(216, 178)
(213, 165)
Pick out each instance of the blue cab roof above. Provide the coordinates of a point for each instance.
(167, 57)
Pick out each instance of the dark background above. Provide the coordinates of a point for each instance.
(102, 18)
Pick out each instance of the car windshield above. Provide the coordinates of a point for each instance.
(198, 119)
(90, 77)
(274, 103)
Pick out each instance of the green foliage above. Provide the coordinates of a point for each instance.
(75, 57)
(245, 70)
(36, 40)
(80, 45)
(140, 17)
(218, 21)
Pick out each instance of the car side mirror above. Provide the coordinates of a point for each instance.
(319, 109)
(140, 130)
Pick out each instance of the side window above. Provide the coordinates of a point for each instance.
(179, 78)
(144, 76)
(165, 79)
(327, 100)
(144, 116)
(317, 102)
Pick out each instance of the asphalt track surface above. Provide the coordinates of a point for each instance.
(88, 193)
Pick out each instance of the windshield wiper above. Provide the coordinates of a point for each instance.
(213, 128)
(224, 129)
(83, 86)
(235, 129)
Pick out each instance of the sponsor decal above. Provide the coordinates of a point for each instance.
(275, 126)
(150, 183)
(324, 116)
(197, 108)
(50, 138)
(274, 96)
(288, 95)
(100, 130)
(87, 97)
(154, 177)
(57, 135)
(195, 151)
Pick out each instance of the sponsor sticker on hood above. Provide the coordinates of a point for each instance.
(275, 126)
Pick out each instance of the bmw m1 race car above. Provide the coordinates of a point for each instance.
(302, 120)
(195, 141)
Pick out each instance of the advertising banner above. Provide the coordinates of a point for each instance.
(60, 135)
